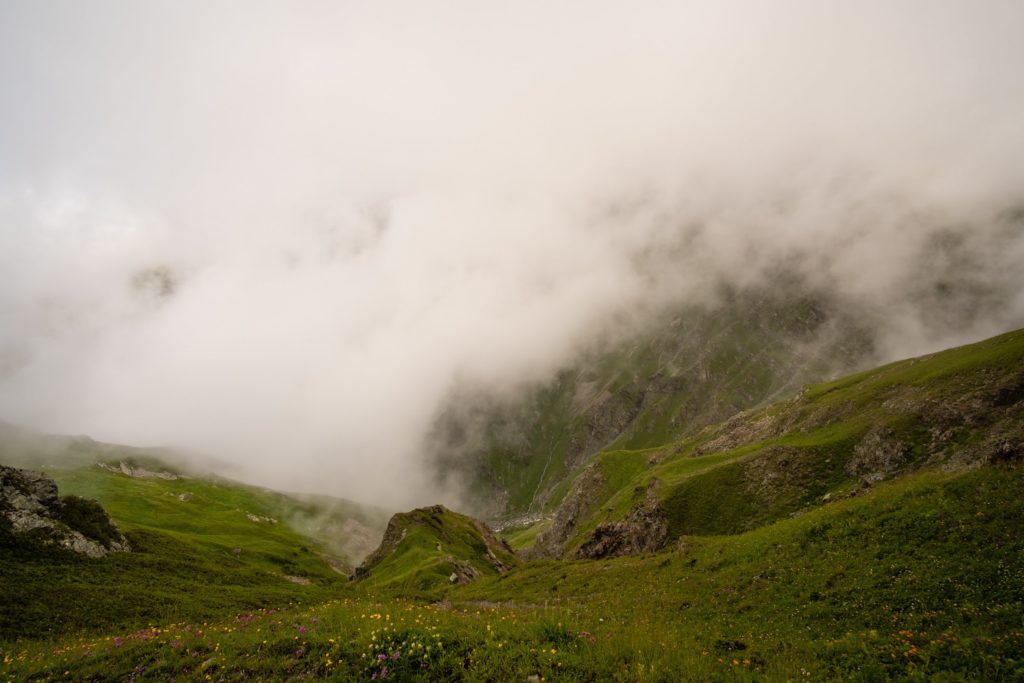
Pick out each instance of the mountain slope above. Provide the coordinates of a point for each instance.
(700, 366)
(200, 545)
(919, 578)
(958, 409)
(867, 529)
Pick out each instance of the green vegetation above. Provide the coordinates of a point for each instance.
(701, 367)
(783, 459)
(88, 518)
(869, 529)
(200, 548)
(425, 549)
(921, 578)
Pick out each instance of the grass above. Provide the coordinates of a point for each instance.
(919, 579)
(703, 367)
(999, 354)
(196, 554)
(760, 479)
(522, 537)
(422, 549)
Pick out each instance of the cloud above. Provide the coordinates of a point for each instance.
(280, 234)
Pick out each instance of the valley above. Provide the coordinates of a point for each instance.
(865, 528)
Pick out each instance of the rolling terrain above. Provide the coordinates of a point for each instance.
(199, 544)
(867, 528)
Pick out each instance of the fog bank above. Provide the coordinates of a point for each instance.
(280, 234)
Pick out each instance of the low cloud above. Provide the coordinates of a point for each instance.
(281, 235)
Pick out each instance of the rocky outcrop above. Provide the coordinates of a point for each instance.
(463, 572)
(643, 530)
(576, 507)
(878, 455)
(30, 506)
(135, 471)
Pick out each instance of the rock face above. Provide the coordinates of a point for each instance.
(29, 504)
(644, 530)
(130, 469)
(878, 455)
(578, 503)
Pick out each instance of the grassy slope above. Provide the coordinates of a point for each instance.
(191, 559)
(702, 368)
(215, 511)
(713, 494)
(920, 578)
(416, 558)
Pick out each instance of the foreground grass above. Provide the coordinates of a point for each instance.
(921, 579)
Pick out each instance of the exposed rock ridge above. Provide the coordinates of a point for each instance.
(644, 530)
(30, 505)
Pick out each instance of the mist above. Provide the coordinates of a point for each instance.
(280, 234)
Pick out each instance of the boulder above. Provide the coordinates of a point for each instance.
(29, 502)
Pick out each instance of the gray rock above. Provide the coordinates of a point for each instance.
(29, 503)
(878, 455)
(644, 530)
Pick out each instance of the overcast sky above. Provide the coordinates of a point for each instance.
(278, 232)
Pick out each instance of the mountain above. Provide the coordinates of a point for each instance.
(865, 528)
(955, 410)
(699, 365)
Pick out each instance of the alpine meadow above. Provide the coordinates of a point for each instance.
(479, 341)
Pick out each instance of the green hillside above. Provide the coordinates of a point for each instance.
(701, 366)
(868, 529)
(958, 409)
(427, 548)
(920, 578)
(200, 546)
